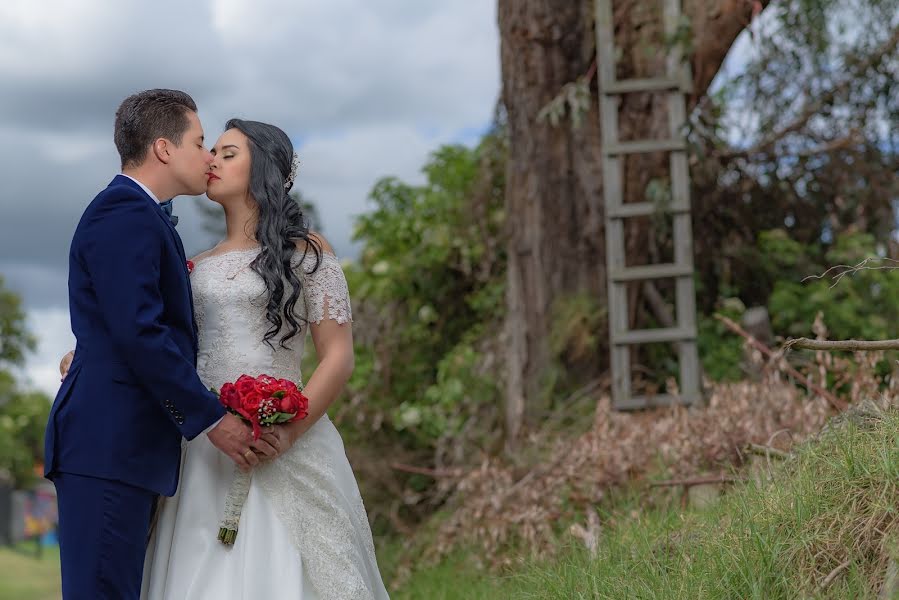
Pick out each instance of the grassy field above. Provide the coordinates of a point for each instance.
(24, 577)
(823, 525)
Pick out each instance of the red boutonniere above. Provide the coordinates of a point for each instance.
(190, 267)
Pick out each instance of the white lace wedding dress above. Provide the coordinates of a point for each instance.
(304, 534)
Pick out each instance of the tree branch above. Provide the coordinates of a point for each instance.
(844, 270)
(835, 402)
(857, 345)
(822, 100)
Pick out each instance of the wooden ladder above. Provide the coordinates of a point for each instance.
(675, 83)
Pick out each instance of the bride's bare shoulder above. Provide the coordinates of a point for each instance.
(318, 240)
(202, 255)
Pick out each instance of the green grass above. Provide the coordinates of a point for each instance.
(835, 503)
(25, 577)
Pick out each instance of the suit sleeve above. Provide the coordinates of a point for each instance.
(122, 251)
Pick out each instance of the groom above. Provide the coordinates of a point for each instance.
(113, 441)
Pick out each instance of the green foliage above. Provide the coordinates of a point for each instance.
(23, 415)
(15, 340)
(721, 352)
(862, 305)
(573, 99)
(456, 394)
(429, 288)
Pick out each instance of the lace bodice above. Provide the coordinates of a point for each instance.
(229, 300)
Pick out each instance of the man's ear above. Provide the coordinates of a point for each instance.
(161, 150)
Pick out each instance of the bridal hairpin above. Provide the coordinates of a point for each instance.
(294, 167)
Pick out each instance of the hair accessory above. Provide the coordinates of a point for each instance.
(294, 167)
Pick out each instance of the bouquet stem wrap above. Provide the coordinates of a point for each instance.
(234, 501)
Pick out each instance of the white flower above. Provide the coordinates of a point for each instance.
(410, 416)
(381, 267)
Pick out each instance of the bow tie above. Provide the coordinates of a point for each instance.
(167, 209)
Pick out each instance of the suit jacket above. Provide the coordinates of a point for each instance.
(132, 391)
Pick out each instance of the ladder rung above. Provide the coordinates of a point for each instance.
(659, 271)
(649, 336)
(637, 402)
(639, 146)
(643, 209)
(626, 86)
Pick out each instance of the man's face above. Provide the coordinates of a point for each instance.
(190, 161)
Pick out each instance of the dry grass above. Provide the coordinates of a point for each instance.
(496, 510)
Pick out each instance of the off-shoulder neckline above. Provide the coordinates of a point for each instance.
(250, 250)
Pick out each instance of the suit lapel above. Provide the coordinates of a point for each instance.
(122, 180)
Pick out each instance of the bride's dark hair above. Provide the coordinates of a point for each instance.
(281, 224)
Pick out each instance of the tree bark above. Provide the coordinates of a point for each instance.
(554, 205)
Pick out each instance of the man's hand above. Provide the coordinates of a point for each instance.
(65, 363)
(235, 439)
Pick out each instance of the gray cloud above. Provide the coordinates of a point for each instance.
(364, 88)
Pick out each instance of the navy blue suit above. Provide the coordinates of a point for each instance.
(113, 441)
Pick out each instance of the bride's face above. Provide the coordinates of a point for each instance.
(229, 173)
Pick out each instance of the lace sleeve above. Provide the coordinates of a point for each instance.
(326, 292)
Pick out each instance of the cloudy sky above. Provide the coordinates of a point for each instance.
(365, 88)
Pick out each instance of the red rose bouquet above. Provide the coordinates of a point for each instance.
(264, 400)
(260, 401)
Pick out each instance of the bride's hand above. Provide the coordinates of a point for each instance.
(65, 363)
(278, 438)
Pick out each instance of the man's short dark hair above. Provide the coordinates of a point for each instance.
(147, 116)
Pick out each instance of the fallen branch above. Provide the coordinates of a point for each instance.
(768, 451)
(835, 402)
(833, 574)
(689, 482)
(857, 345)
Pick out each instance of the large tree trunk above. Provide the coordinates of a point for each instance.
(556, 245)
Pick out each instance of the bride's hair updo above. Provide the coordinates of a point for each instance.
(281, 224)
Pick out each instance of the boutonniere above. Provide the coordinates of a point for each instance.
(190, 267)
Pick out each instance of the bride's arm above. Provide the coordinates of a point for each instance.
(332, 336)
(334, 346)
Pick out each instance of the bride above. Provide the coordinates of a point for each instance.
(303, 532)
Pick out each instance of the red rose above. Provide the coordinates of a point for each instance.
(287, 385)
(245, 384)
(266, 385)
(251, 401)
(299, 404)
(229, 396)
(190, 267)
(287, 405)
